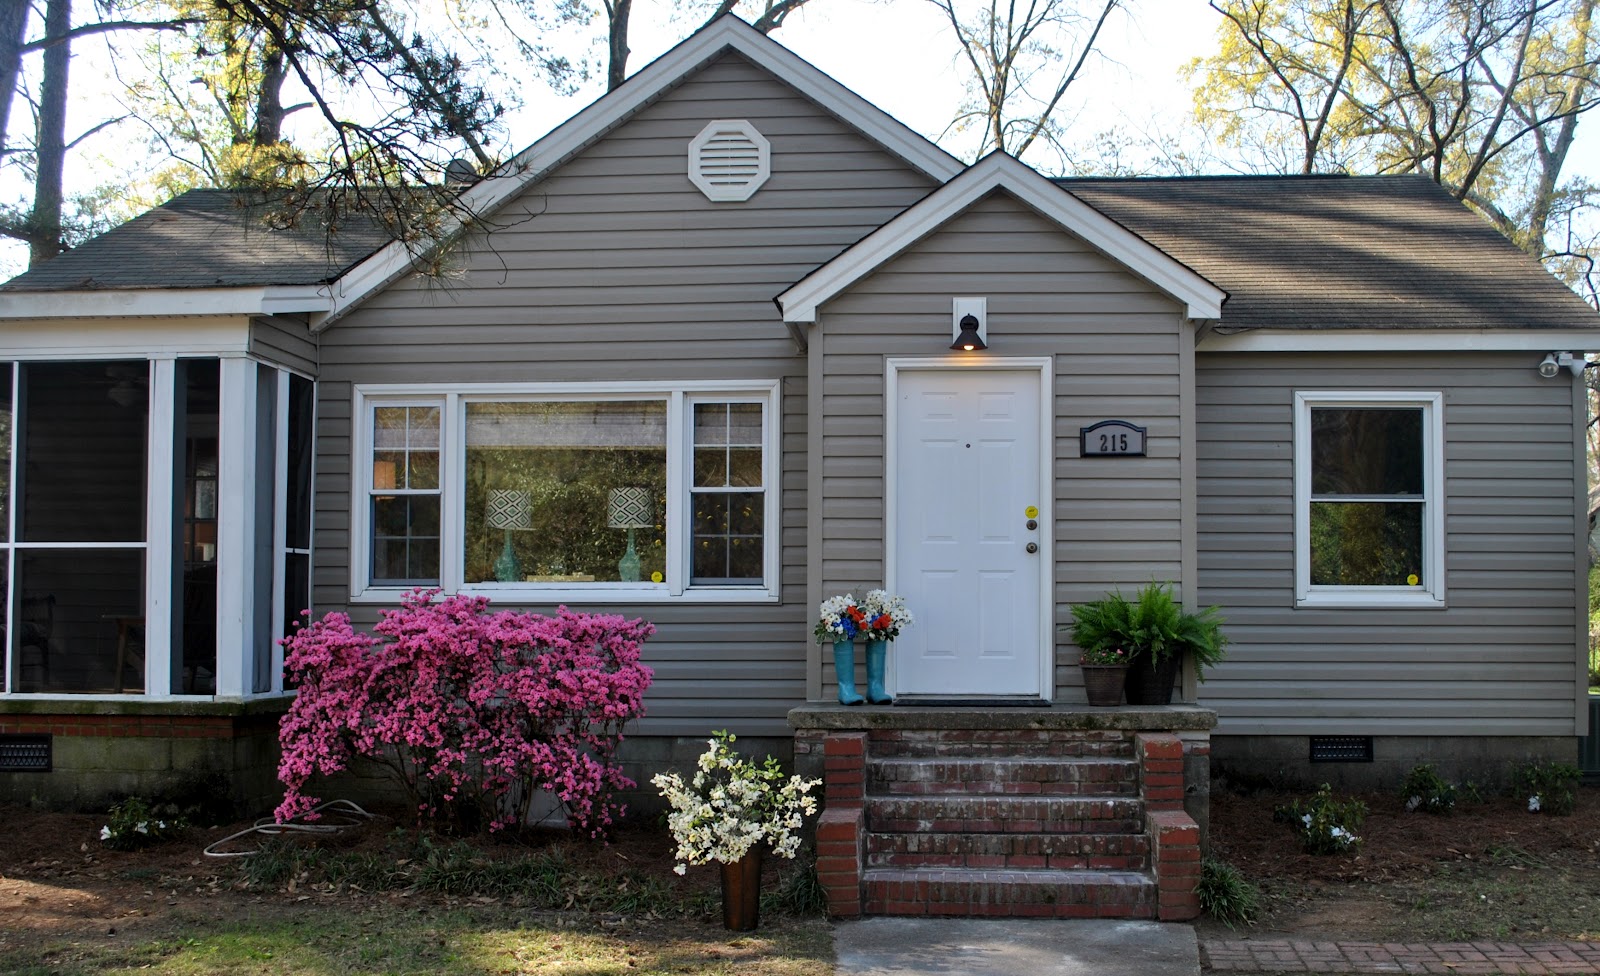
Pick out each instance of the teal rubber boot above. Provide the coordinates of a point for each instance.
(877, 661)
(844, 665)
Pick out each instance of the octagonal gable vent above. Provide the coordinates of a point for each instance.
(729, 160)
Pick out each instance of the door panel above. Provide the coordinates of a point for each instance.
(967, 460)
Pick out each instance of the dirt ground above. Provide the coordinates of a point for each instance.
(1491, 870)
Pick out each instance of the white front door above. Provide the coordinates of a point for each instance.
(965, 486)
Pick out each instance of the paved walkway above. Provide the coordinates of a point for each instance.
(1299, 956)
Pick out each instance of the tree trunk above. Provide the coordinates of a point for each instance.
(51, 142)
(269, 100)
(13, 28)
(617, 70)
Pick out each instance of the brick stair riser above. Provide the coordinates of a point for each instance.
(1071, 852)
(1004, 815)
(1021, 777)
(973, 743)
(1010, 894)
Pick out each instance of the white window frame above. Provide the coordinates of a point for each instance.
(1428, 594)
(678, 397)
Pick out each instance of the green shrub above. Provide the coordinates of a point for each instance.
(1326, 825)
(1551, 787)
(135, 823)
(799, 892)
(1152, 624)
(1226, 895)
(1425, 790)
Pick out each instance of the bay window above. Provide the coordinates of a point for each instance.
(569, 491)
(1368, 499)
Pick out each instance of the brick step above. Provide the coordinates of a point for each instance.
(1064, 852)
(998, 743)
(1010, 893)
(1032, 775)
(989, 814)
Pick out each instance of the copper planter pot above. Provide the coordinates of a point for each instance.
(741, 893)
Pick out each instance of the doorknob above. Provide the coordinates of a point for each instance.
(1033, 547)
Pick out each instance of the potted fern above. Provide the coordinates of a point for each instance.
(1155, 631)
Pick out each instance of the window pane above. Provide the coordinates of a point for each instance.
(84, 428)
(80, 621)
(1366, 451)
(727, 542)
(405, 539)
(405, 443)
(194, 609)
(1366, 543)
(560, 492)
(727, 445)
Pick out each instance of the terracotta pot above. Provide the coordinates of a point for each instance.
(1103, 683)
(741, 893)
(1149, 682)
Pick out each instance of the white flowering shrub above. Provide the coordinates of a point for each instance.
(1326, 825)
(134, 823)
(732, 804)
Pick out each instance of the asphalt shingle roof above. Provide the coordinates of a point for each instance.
(1291, 252)
(1328, 252)
(205, 239)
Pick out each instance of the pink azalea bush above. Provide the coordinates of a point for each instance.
(472, 711)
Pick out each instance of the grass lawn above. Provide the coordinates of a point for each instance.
(337, 936)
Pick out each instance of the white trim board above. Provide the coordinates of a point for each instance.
(165, 302)
(1201, 298)
(1402, 340)
(726, 33)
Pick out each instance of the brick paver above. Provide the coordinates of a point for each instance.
(1464, 958)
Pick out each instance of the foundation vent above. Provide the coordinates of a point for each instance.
(1341, 748)
(24, 753)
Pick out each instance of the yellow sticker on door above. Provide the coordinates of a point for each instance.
(1032, 511)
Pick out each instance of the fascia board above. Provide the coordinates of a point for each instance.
(1202, 299)
(1403, 340)
(727, 33)
(163, 302)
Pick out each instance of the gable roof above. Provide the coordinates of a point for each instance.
(1201, 298)
(1340, 252)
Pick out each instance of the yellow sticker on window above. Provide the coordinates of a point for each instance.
(1413, 580)
(1032, 511)
(656, 576)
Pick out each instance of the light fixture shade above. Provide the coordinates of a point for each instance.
(969, 340)
(1548, 366)
(630, 508)
(509, 509)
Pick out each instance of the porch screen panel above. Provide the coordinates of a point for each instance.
(80, 554)
(258, 663)
(297, 510)
(196, 424)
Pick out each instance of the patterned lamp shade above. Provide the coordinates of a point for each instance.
(509, 509)
(631, 508)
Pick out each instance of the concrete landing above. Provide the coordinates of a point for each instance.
(1008, 947)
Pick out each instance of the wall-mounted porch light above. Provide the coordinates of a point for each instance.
(1553, 362)
(968, 324)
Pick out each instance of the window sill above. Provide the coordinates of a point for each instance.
(1370, 600)
(581, 596)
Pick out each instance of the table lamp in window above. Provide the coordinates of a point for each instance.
(630, 508)
(508, 511)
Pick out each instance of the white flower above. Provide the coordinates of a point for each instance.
(1306, 820)
(681, 869)
(142, 827)
(105, 833)
(1533, 804)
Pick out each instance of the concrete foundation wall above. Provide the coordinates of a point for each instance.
(1283, 760)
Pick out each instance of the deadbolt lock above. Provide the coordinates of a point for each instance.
(1033, 524)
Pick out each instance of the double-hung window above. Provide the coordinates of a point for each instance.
(1369, 519)
(547, 492)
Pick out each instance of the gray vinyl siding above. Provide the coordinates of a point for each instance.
(1501, 659)
(286, 344)
(616, 268)
(1114, 341)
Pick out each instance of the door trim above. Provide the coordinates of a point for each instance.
(1044, 366)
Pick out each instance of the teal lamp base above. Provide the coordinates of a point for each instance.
(628, 565)
(506, 568)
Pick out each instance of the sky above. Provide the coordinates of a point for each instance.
(897, 54)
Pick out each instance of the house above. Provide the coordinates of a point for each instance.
(699, 366)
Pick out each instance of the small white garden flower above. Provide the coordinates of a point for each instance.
(681, 869)
(142, 827)
(105, 832)
(1533, 804)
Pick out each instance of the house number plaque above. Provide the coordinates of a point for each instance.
(1111, 438)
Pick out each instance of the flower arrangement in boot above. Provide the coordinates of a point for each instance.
(886, 615)
(839, 620)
